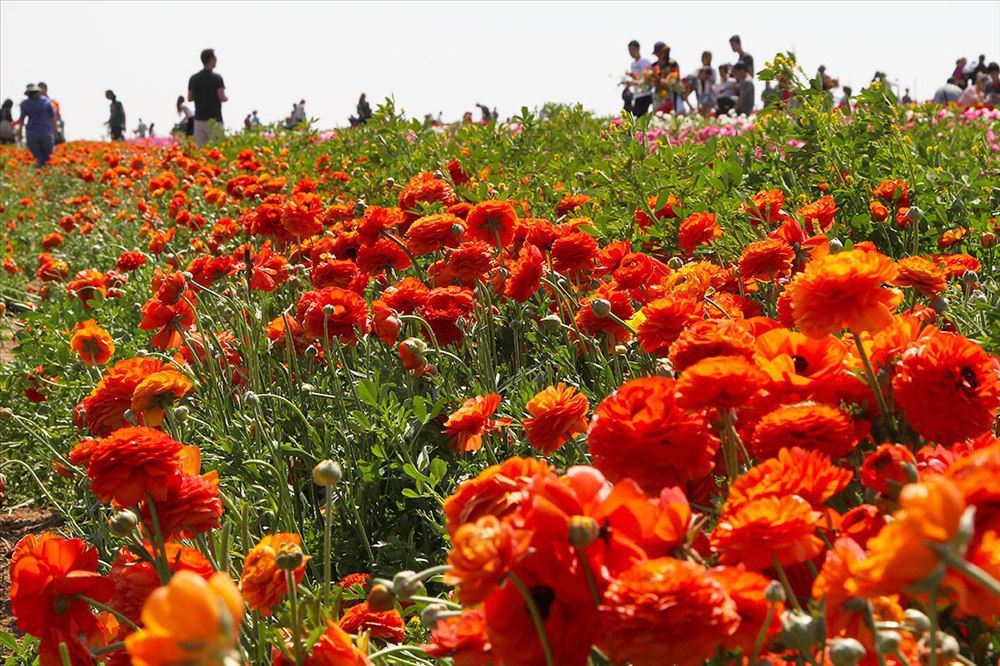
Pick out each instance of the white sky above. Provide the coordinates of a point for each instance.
(446, 56)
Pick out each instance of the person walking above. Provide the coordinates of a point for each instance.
(207, 90)
(7, 122)
(116, 121)
(187, 117)
(38, 118)
(60, 133)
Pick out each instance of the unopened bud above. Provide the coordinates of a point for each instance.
(359, 208)
(774, 593)
(583, 531)
(405, 584)
(141, 352)
(989, 239)
(979, 297)
(121, 523)
(970, 277)
(799, 631)
(306, 389)
(887, 642)
(675, 263)
(129, 416)
(939, 304)
(601, 307)
(180, 413)
(329, 309)
(250, 399)
(289, 557)
(457, 229)
(6, 413)
(550, 323)
(914, 214)
(430, 615)
(846, 651)
(949, 647)
(311, 352)
(327, 473)
(836, 245)
(390, 182)
(921, 623)
(380, 598)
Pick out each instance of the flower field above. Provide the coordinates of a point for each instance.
(557, 392)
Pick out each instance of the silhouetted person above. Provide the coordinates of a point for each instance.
(364, 110)
(207, 90)
(7, 122)
(187, 123)
(116, 121)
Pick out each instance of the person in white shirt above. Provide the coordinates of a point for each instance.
(141, 129)
(724, 91)
(642, 96)
(299, 113)
(186, 125)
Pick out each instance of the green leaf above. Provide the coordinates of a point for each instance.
(420, 408)
(414, 473)
(368, 393)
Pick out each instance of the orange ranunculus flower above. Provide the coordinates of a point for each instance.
(640, 432)
(664, 320)
(189, 621)
(45, 572)
(333, 648)
(765, 206)
(481, 554)
(821, 212)
(434, 232)
(466, 425)
(698, 229)
(893, 191)
(168, 320)
(497, 491)
(157, 391)
(885, 470)
(811, 426)
(711, 337)
(948, 388)
(922, 274)
(720, 382)
(766, 260)
(557, 414)
(525, 274)
(463, 638)
(899, 555)
(191, 506)
(747, 589)
(878, 210)
(491, 221)
(756, 531)
(132, 462)
(891, 341)
(426, 187)
(94, 345)
(807, 474)
(666, 611)
(861, 523)
(844, 290)
(106, 405)
(591, 323)
(797, 363)
(970, 597)
(302, 214)
(332, 313)
(263, 584)
(978, 476)
(135, 578)
(387, 625)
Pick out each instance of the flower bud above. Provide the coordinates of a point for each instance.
(887, 642)
(799, 631)
(390, 182)
(6, 413)
(289, 557)
(430, 615)
(311, 352)
(939, 304)
(139, 353)
(307, 389)
(989, 239)
(405, 584)
(775, 592)
(914, 214)
(457, 229)
(601, 307)
(979, 297)
(121, 523)
(327, 473)
(250, 399)
(328, 310)
(380, 598)
(970, 277)
(550, 323)
(846, 651)
(583, 531)
(359, 208)
(129, 416)
(948, 647)
(180, 413)
(675, 263)
(836, 245)
(921, 623)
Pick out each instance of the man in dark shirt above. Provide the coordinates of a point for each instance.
(737, 45)
(745, 101)
(208, 92)
(38, 119)
(116, 122)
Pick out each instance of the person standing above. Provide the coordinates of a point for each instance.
(907, 99)
(736, 44)
(7, 122)
(39, 129)
(116, 121)
(187, 123)
(299, 113)
(974, 93)
(642, 97)
(364, 109)
(725, 91)
(141, 129)
(744, 85)
(207, 90)
(254, 120)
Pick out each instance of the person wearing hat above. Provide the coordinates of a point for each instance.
(38, 118)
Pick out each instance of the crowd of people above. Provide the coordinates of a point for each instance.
(657, 84)
(650, 84)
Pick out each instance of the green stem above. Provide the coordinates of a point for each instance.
(536, 617)
(789, 593)
(932, 614)
(876, 388)
(967, 569)
(327, 528)
(293, 599)
(591, 584)
(99, 606)
(758, 644)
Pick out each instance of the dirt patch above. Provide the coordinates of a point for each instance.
(12, 528)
